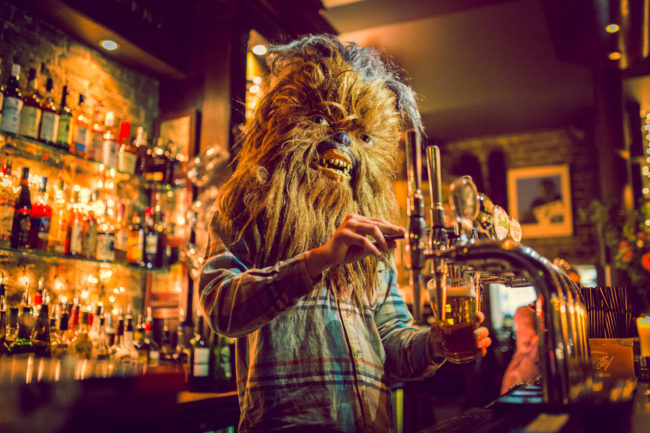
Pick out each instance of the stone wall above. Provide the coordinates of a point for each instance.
(532, 149)
(29, 41)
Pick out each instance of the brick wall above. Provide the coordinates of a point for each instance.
(29, 41)
(530, 149)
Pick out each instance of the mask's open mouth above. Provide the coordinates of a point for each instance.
(335, 164)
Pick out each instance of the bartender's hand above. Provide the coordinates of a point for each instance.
(350, 243)
(481, 334)
(483, 341)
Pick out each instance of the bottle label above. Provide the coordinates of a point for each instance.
(75, 237)
(80, 139)
(200, 364)
(30, 118)
(20, 229)
(63, 132)
(122, 240)
(126, 162)
(134, 252)
(49, 126)
(151, 247)
(6, 219)
(105, 246)
(41, 228)
(11, 112)
(109, 153)
(96, 144)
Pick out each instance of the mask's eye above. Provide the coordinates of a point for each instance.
(365, 138)
(320, 120)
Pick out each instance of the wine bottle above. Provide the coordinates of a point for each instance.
(63, 132)
(198, 372)
(12, 103)
(30, 118)
(50, 117)
(22, 214)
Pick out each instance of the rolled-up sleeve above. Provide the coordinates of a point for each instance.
(409, 353)
(238, 300)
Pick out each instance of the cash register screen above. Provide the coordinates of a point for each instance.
(504, 301)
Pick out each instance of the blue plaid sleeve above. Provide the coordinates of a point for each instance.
(409, 351)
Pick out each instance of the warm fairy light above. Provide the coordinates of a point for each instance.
(112, 172)
(92, 279)
(116, 291)
(64, 299)
(260, 49)
(105, 274)
(614, 55)
(115, 311)
(254, 89)
(122, 289)
(84, 294)
(612, 28)
(108, 44)
(257, 80)
(111, 298)
(100, 184)
(646, 190)
(24, 280)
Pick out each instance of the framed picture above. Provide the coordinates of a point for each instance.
(540, 199)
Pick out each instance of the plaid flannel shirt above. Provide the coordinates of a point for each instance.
(305, 357)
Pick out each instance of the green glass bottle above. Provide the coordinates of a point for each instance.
(23, 343)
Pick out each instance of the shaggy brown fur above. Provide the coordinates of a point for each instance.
(276, 200)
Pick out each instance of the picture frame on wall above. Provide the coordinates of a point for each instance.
(540, 199)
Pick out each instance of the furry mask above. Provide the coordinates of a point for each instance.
(322, 144)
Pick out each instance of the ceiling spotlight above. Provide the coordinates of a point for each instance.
(615, 55)
(108, 44)
(612, 28)
(259, 49)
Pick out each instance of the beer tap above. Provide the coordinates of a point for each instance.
(438, 238)
(416, 225)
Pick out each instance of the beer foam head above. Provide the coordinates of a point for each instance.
(463, 287)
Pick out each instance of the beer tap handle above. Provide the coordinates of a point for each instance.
(438, 233)
(416, 224)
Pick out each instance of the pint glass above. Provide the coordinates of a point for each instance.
(459, 321)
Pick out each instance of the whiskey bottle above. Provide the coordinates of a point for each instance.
(40, 220)
(50, 117)
(41, 335)
(80, 134)
(7, 202)
(121, 235)
(75, 227)
(150, 249)
(198, 372)
(81, 345)
(105, 250)
(127, 158)
(109, 145)
(95, 150)
(140, 143)
(63, 132)
(22, 214)
(59, 222)
(101, 350)
(30, 118)
(166, 349)
(136, 242)
(12, 103)
(61, 339)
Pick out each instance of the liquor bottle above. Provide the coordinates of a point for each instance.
(75, 227)
(3, 314)
(182, 351)
(22, 214)
(80, 127)
(7, 202)
(30, 118)
(105, 250)
(140, 143)
(110, 149)
(61, 339)
(101, 350)
(134, 254)
(59, 223)
(127, 354)
(12, 104)
(50, 117)
(40, 220)
(121, 235)
(41, 335)
(221, 365)
(81, 345)
(12, 327)
(63, 132)
(166, 349)
(23, 342)
(89, 235)
(198, 372)
(147, 348)
(161, 250)
(128, 156)
(157, 166)
(150, 247)
(117, 345)
(95, 151)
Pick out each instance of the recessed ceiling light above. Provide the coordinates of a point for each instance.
(259, 49)
(615, 55)
(108, 44)
(612, 28)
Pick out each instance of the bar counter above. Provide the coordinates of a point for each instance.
(632, 416)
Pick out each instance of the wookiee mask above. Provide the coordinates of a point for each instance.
(322, 144)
